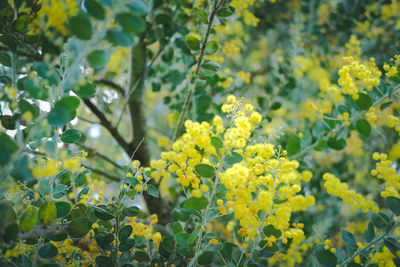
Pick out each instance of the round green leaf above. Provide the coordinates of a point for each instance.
(192, 42)
(393, 204)
(48, 251)
(79, 227)
(63, 209)
(226, 11)
(216, 142)
(325, 257)
(363, 127)
(28, 219)
(131, 23)
(86, 90)
(71, 136)
(126, 245)
(81, 27)
(120, 38)
(205, 170)
(233, 158)
(364, 101)
(95, 9)
(47, 213)
(7, 148)
(98, 59)
(102, 213)
(11, 232)
(195, 203)
(131, 211)
(270, 230)
(380, 220)
(103, 261)
(125, 232)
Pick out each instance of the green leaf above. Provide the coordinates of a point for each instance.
(181, 239)
(79, 227)
(125, 232)
(5, 59)
(208, 257)
(213, 159)
(126, 245)
(98, 59)
(380, 220)
(369, 234)
(205, 170)
(393, 204)
(270, 230)
(195, 203)
(95, 9)
(325, 257)
(81, 27)
(63, 209)
(86, 90)
(131, 23)
(216, 142)
(28, 219)
(392, 244)
(233, 158)
(209, 68)
(63, 111)
(44, 187)
(102, 213)
(104, 240)
(71, 136)
(293, 146)
(120, 38)
(386, 105)
(7, 215)
(363, 127)
(103, 261)
(47, 251)
(139, 7)
(193, 236)
(337, 144)
(7, 148)
(276, 105)
(11, 232)
(59, 191)
(349, 240)
(152, 191)
(192, 42)
(211, 48)
(226, 11)
(47, 213)
(131, 211)
(364, 101)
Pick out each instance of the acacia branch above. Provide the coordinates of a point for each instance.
(107, 124)
(42, 230)
(192, 87)
(103, 173)
(96, 153)
(111, 84)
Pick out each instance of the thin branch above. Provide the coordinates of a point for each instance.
(42, 230)
(96, 153)
(198, 66)
(111, 84)
(107, 124)
(103, 173)
(87, 120)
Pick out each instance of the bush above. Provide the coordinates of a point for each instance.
(187, 133)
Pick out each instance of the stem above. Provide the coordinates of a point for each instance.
(193, 83)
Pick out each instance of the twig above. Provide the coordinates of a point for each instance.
(192, 87)
(44, 230)
(96, 153)
(111, 84)
(107, 124)
(103, 173)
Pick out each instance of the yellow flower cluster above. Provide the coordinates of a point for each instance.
(353, 47)
(385, 172)
(354, 75)
(393, 122)
(18, 250)
(147, 231)
(335, 187)
(345, 117)
(263, 180)
(242, 10)
(55, 14)
(51, 167)
(383, 258)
